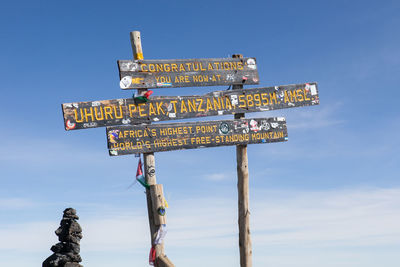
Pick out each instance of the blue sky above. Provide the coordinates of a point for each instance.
(330, 196)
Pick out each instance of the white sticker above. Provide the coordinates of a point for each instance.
(113, 152)
(129, 66)
(234, 100)
(125, 82)
(313, 89)
(126, 121)
(251, 63)
(220, 112)
(274, 124)
(280, 119)
(172, 115)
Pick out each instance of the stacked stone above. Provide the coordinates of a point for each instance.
(66, 252)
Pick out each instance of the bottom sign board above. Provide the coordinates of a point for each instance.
(124, 140)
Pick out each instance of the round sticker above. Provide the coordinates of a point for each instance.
(70, 125)
(161, 211)
(125, 82)
(224, 128)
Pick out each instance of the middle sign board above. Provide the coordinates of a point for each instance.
(82, 115)
(164, 73)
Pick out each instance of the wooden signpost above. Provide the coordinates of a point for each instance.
(82, 115)
(129, 129)
(136, 74)
(124, 140)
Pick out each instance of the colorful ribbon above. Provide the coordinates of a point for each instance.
(152, 255)
(139, 174)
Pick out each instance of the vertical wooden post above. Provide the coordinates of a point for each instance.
(243, 197)
(150, 170)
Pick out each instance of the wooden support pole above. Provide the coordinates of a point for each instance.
(150, 175)
(243, 197)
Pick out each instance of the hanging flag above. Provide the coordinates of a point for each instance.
(165, 202)
(139, 174)
(162, 231)
(152, 255)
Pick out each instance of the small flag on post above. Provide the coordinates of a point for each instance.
(139, 174)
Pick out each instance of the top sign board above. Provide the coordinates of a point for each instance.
(164, 73)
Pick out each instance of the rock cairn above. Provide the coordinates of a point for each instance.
(66, 252)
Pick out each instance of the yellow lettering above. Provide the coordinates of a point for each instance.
(143, 67)
(90, 114)
(305, 95)
(226, 66)
(217, 103)
(192, 105)
(76, 115)
(159, 108)
(257, 100)
(137, 80)
(96, 113)
(272, 96)
(200, 104)
(108, 112)
(264, 97)
(120, 116)
(250, 101)
(286, 98)
(141, 107)
(183, 107)
(210, 67)
(174, 67)
(132, 108)
(152, 110)
(293, 96)
(242, 102)
(228, 103)
(209, 105)
(299, 95)
(159, 67)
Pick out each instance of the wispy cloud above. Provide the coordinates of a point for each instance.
(15, 203)
(335, 219)
(220, 176)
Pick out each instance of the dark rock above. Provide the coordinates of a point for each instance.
(66, 252)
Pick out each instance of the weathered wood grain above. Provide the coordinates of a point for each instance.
(157, 197)
(82, 115)
(167, 73)
(242, 167)
(124, 140)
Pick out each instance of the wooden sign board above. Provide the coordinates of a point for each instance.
(124, 140)
(136, 74)
(92, 114)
